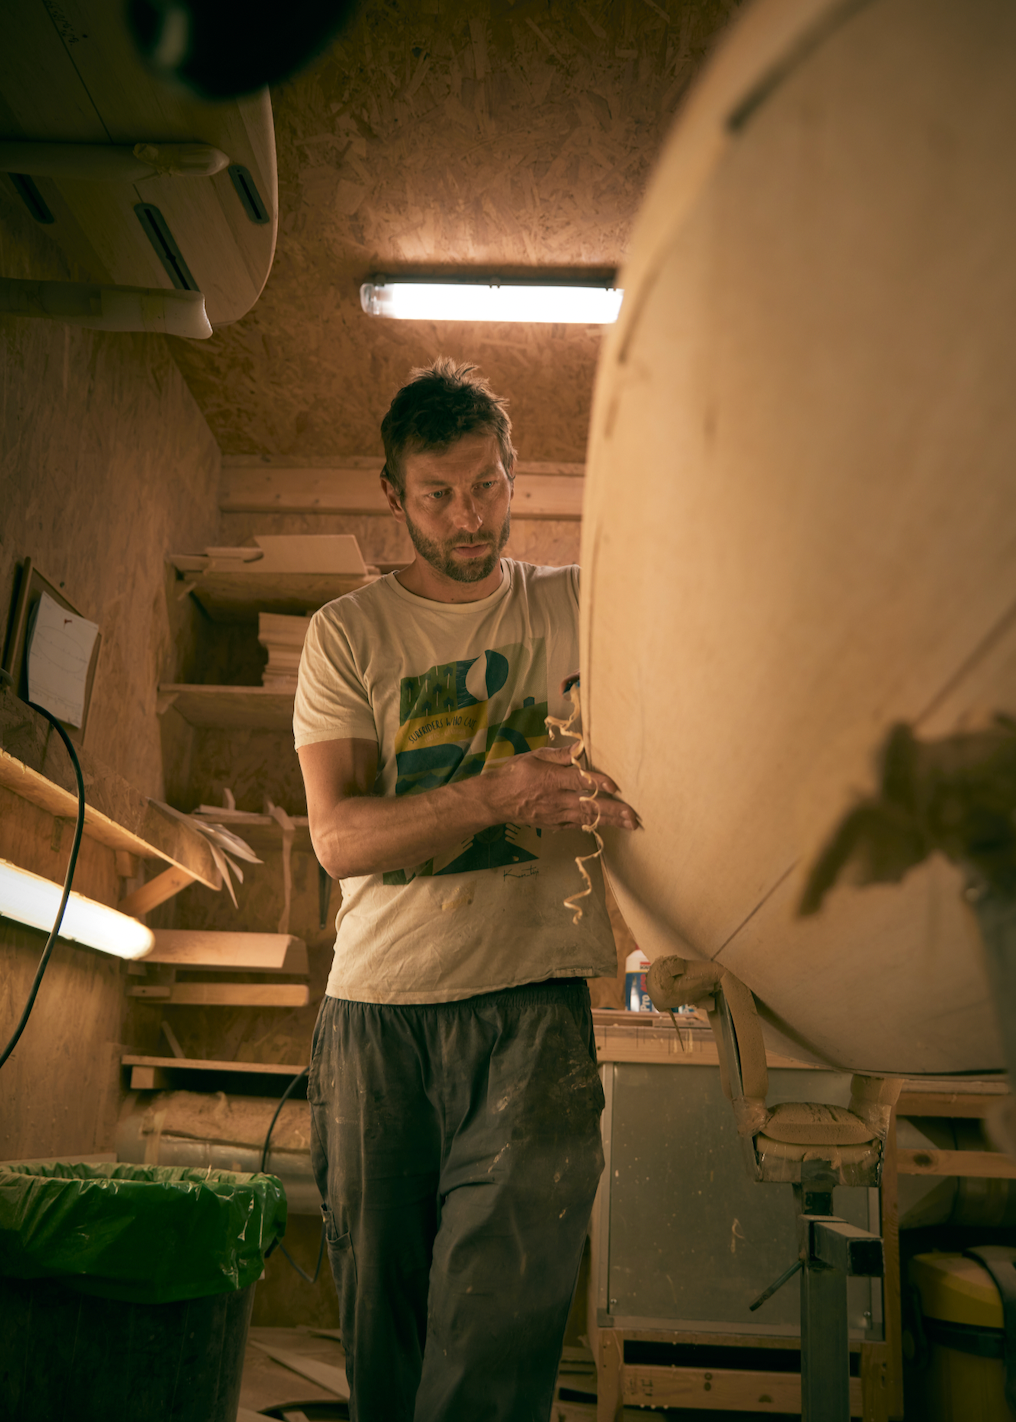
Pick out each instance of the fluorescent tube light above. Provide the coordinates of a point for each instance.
(490, 301)
(30, 899)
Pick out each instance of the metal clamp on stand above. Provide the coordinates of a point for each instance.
(831, 1251)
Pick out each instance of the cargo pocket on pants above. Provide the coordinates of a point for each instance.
(340, 1252)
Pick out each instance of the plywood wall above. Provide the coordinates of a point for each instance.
(105, 465)
(446, 136)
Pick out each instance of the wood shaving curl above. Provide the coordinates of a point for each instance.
(576, 749)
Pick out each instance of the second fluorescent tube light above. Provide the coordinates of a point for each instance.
(489, 301)
(32, 900)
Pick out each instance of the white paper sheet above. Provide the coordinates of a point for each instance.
(59, 652)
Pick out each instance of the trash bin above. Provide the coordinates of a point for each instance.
(961, 1361)
(126, 1290)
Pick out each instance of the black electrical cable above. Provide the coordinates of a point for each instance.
(264, 1164)
(278, 1111)
(68, 878)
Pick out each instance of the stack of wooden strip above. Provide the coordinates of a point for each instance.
(282, 637)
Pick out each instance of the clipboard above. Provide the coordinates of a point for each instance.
(29, 588)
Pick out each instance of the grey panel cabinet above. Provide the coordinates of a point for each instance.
(683, 1238)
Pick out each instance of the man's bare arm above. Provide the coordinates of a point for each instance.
(357, 832)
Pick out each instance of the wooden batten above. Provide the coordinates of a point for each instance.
(543, 489)
(160, 1073)
(241, 952)
(225, 994)
(155, 892)
(979, 1164)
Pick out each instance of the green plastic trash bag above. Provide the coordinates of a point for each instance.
(141, 1233)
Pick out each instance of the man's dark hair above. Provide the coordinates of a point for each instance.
(437, 406)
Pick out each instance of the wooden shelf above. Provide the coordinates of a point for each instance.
(239, 596)
(34, 765)
(160, 1073)
(189, 948)
(194, 994)
(230, 707)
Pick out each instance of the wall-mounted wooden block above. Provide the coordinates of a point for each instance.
(148, 1078)
(116, 814)
(155, 892)
(127, 865)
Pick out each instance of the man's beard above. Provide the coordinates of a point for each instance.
(439, 555)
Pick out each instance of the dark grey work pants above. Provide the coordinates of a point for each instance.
(458, 1148)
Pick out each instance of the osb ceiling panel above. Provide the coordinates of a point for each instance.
(439, 136)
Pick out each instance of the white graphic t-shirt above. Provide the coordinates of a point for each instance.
(446, 689)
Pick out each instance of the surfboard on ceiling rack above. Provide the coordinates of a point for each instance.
(144, 186)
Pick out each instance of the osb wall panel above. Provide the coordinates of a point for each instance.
(59, 1089)
(252, 764)
(41, 843)
(441, 135)
(105, 465)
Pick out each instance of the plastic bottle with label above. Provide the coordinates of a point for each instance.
(636, 996)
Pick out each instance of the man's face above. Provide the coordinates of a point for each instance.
(457, 507)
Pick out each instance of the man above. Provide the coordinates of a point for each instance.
(453, 1079)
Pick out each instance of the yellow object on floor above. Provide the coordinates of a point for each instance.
(960, 1306)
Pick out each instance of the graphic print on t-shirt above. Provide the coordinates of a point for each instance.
(452, 720)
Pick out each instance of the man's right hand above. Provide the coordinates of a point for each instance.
(548, 790)
(355, 831)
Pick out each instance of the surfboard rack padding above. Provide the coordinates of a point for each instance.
(111, 162)
(108, 308)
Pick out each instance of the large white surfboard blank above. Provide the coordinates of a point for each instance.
(800, 518)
